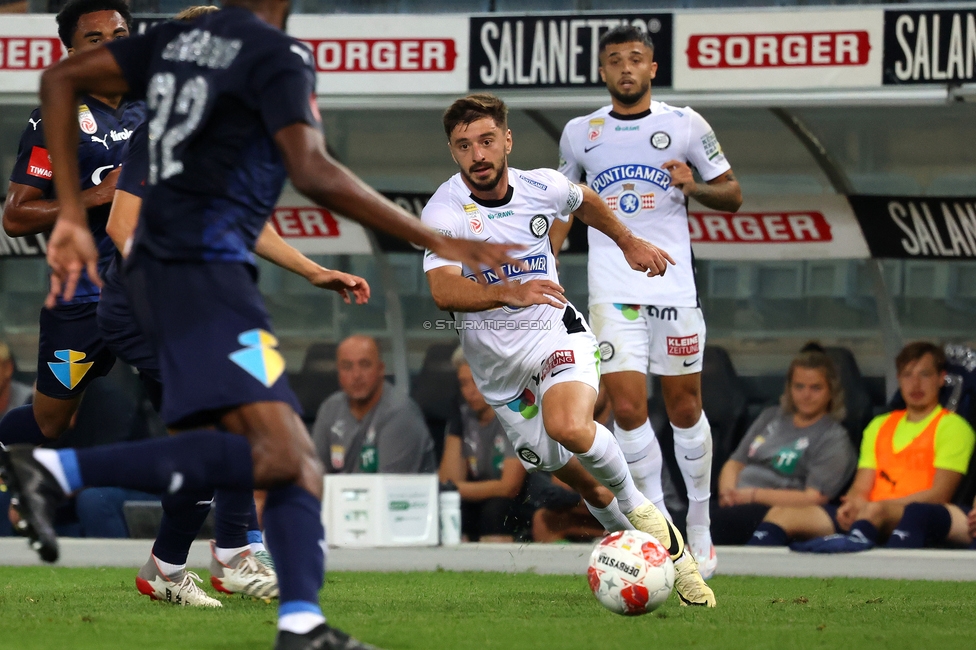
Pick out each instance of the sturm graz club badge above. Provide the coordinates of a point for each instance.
(529, 456)
(539, 226)
(606, 350)
(660, 140)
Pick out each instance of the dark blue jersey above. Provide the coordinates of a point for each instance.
(103, 133)
(135, 163)
(217, 89)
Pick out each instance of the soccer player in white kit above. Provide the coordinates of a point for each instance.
(636, 154)
(532, 355)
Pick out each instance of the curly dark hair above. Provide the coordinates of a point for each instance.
(68, 16)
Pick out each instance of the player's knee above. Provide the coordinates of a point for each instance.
(685, 411)
(630, 414)
(572, 430)
(274, 469)
(52, 425)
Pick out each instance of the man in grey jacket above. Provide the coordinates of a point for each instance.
(366, 427)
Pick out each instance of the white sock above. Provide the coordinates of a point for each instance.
(50, 459)
(611, 517)
(257, 547)
(606, 463)
(225, 555)
(693, 450)
(300, 622)
(167, 569)
(643, 454)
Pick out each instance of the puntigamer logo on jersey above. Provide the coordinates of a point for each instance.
(526, 265)
(621, 173)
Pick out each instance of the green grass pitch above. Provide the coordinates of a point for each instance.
(60, 608)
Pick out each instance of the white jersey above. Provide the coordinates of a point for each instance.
(497, 341)
(622, 157)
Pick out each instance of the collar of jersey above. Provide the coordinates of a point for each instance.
(495, 203)
(636, 116)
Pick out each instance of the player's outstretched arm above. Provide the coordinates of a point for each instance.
(273, 248)
(454, 292)
(641, 254)
(71, 247)
(327, 182)
(721, 193)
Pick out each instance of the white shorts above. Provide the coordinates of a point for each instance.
(570, 357)
(664, 341)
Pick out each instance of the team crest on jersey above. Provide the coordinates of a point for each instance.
(259, 358)
(86, 120)
(660, 140)
(629, 202)
(70, 371)
(596, 128)
(539, 226)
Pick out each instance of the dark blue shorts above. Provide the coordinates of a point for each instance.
(118, 325)
(212, 336)
(831, 511)
(71, 351)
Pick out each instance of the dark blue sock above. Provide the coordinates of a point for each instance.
(864, 528)
(183, 516)
(294, 534)
(768, 534)
(195, 461)
(18, 426)
(254, 527)
(232, 516)
(922, 524)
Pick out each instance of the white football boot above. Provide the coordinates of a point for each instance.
(180, 589)
(244, 574)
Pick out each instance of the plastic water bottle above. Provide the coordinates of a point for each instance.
(450, 515)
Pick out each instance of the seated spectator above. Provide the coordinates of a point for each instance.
(916, 455)
(794, 454)
(479, 459)
(366, 427)
(935, 524)
(12, 393)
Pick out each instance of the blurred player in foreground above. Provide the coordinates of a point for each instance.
(636, 154)
(238, 563)
(231, 112)
(531, 354)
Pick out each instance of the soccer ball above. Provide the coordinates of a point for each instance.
(630, 573)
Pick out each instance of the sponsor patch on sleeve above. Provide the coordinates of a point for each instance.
(39, 164)
(575, 198)
(712, 148)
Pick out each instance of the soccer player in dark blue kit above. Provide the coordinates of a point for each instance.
(231, 111)
(71, 352)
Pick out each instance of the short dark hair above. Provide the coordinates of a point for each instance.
(75, 9)
(473, 108)
(626, 34)
(915, 351)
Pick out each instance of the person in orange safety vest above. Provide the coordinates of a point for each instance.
(915, 455)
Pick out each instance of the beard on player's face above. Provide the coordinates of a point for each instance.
(629, 98)
(492, 181)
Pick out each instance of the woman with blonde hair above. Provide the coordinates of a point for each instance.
(794, 454)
